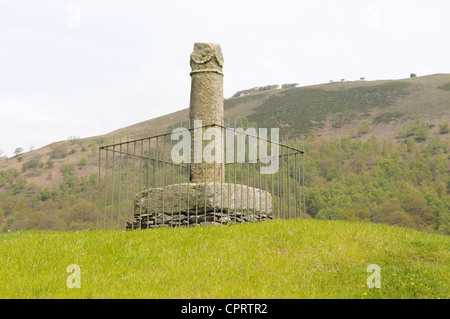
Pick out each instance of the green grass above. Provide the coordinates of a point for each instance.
(279, 259)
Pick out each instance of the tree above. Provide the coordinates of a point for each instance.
(390, 206)
(244, 122)
(32, 220)
(412, 75)
(401, 132)
(288, 85)
(82, 163)
(18, 150)
(422, 131)
(398, 218)
(49, 163)
(312, 135)
(19, 185)
(364, 127)
(43, 194)
(354, 212)
(33, 163)
(93, 150)
(58, 151)
(416, 207)
(67, 168)
(82, 212)
(69, 177)
(73, 139)
(390, 167)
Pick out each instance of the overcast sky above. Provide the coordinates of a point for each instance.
(84, 68)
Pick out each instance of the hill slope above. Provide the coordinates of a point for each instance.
(279, 259)
(333, 109)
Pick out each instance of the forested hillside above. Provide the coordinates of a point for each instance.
(405, 184)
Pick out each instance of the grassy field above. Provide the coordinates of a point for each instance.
(279, 259)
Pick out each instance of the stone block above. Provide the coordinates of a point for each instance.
(205, 197)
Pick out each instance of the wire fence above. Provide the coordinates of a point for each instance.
(142, 186)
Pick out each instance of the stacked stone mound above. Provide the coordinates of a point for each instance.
(192, 204)
(201, 219)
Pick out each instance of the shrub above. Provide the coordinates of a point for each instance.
(364, 127)
(444, 128)
(82, 212)
(31, 164)
(58, 151)
(422, 131)
(82, 163)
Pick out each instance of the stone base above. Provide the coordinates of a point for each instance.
(200, 204)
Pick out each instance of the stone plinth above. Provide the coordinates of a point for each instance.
(199, 204)
(181, 198)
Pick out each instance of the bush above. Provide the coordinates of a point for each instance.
(445, 86)
(82, 163)
(43, 194)
(67, 169)
(49, 163)
(444, 128)
(422, 131)
(31, 164)
(364, 127)
(398, 218)
(58, 151)
(18, 150)
(289, 85)
(82, 212)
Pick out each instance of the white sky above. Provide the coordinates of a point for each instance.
(89, 67)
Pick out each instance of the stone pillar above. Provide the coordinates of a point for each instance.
(206, 103)
(207, 199)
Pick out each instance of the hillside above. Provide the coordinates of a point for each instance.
(333, 109)
(279, 259)
(371, 146)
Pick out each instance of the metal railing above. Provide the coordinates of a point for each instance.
(140, 186)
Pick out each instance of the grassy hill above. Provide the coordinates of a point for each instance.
(366, 163)
(278, 259)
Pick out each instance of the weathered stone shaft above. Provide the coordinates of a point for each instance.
(206, 102)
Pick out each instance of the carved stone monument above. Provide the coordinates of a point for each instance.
(207, 198)
(206, 103)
